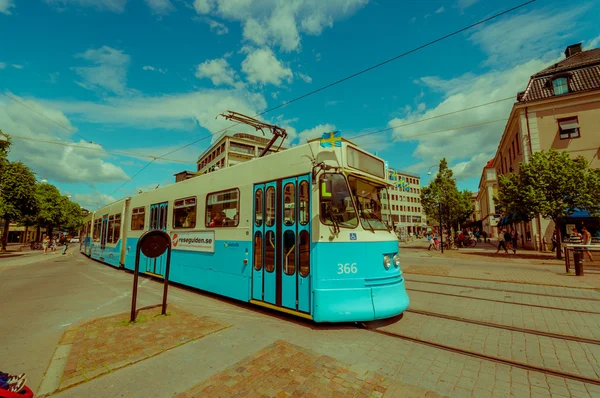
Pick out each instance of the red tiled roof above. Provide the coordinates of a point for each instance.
(581, 69)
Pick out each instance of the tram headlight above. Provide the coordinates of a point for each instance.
(396, 260)
(387, 261)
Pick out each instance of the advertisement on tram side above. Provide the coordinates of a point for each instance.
(197, 241)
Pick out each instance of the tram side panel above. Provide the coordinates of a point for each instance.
(224, 269)
(107, 234)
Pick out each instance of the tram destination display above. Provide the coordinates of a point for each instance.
(197, 241)
(363, 161)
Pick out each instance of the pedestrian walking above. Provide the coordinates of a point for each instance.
(514, 236)
(46, 244)
(587, 240)
(65, 246)
(502, 242)
(53, 245)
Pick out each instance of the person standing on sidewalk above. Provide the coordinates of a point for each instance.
(501, 242)
(554, 241)
(587, 240)
(514, 236)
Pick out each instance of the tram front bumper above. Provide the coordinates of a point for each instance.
(361, 304)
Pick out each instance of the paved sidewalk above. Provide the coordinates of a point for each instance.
(107, 344)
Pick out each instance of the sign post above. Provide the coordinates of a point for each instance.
(152, 244)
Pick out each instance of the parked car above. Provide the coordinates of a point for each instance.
(74, 239)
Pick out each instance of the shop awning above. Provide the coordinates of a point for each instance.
(580, 214)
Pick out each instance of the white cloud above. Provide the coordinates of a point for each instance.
(17, 66)
(153, 69)
(467, 150)
(53, 77)
(117, 6)
(2, 64)
(109, 72)
(53, 162)
(440, 10)
(315, 132)
(261, 67)
(177, 112)
(517, 38)
(413, 19)
(218, 71)
(466, 3)
(217, 27)
(280, 22)
(160, 7)
(92, 201)
(304, 77)
(6, 5)
(593, 43)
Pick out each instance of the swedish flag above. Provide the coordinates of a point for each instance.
(331, 139)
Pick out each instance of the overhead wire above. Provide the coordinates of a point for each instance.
(430, 118)
(286, 103)
(442, 131)
(46, 117)
(113, 151)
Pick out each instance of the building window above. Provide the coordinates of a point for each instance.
(222, 208)
(184, 213)
(517, 141)
(560, 85)
(117, 228)
(568, 128)
(137, 218)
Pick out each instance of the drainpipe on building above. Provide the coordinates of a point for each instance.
(538, 236)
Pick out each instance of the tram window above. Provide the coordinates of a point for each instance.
(117, 228)
(258, 208)
(336, 202)
(153, 218)
(258, 251)
(289, 252)
(223, 209)
(184, 213)
(111, 226)
(304, 214)
(289, 201)
(270, 207)
(270, 251)
(163, 217)
(304, 253)
(137, 218)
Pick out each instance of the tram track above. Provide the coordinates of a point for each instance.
(483, 356)
(507, 327)
(505, 302)
(504, 290)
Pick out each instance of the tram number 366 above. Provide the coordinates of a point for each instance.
(347, 268)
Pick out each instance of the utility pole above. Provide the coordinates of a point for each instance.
(441, 228)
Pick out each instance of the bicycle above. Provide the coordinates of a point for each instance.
(35, 245)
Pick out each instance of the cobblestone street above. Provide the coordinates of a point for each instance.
(461, 337)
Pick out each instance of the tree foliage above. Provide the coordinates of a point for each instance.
(456, 205)
(17, 194)
(553, 186)
(29, 203)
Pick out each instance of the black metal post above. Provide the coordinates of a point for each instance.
(135, 281)
(441, 229)
(166, 283)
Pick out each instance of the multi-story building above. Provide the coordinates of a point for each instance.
(404, 202)
(229, 151)
(488, 189)
(560, 109)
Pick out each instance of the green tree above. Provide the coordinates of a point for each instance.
(51, 203)
(17, 195)
(553, 186)
(455, 205)
(72, 216)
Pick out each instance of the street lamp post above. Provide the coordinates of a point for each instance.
(430, 167)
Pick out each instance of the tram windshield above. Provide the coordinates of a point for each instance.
(368, 201)
(336, 202)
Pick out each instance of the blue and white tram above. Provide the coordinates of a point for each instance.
(299, 231)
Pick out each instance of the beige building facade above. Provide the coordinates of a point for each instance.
(488, 189)
(403, 204)
(559, 109)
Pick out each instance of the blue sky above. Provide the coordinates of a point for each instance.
(148, 76)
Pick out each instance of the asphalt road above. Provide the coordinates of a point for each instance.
(41, 297)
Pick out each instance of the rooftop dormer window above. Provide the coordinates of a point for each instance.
(560, 85)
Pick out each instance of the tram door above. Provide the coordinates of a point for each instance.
(281, 264)
(158, 220)
(104, 233)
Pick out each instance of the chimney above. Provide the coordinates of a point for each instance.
(572, 50)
